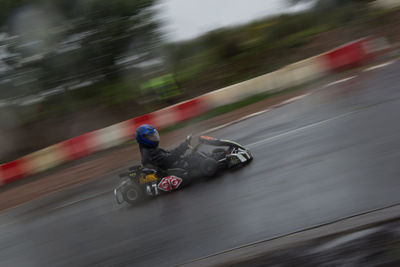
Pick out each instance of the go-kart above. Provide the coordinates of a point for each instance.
(141, 182)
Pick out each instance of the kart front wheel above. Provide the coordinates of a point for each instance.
(209, 167)
(132, 194)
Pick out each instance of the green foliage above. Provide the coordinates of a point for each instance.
(295, 40)
(291, 24)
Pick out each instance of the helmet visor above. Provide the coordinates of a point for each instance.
(155, 137)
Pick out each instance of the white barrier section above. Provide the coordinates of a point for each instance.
(262, 84)
(112, 135)
(224, 96)
(308, 70)
(376, 45)
(45, 159)
(166, 117)
(301, 72)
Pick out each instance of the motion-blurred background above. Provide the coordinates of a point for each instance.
(318, 110)
(68, 67)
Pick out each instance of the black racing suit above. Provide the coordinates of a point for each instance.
(162, 159)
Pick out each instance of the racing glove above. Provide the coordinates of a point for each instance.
(188, 140)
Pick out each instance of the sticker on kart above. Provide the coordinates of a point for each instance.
(207, 137)
(169, 183)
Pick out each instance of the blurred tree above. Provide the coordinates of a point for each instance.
(115, 29)
(71, 41)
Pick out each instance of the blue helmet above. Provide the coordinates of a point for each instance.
(147, 135)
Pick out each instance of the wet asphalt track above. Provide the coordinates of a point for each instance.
(332, 154)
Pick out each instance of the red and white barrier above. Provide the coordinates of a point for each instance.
(113, 135)
(15, 170)
(92, 142)
(47, 158)
(347, 56)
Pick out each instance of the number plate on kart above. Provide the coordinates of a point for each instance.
(169, 183)
(241, 158)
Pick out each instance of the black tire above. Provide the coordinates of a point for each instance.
(132, 194)
(209, 167)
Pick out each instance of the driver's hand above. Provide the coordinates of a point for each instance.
(188, 140)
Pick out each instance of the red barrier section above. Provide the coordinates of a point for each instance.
(145, 119)
(14, 170)
(348, 56)
(191, 108)
(78, 147)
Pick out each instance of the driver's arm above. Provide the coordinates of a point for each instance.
(165, 159)
(179, 150)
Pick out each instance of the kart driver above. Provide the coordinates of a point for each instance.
(148, 138)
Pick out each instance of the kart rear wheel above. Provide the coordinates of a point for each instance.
(209, 167)
(132, 194)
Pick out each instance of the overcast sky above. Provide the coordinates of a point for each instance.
(186, 19)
